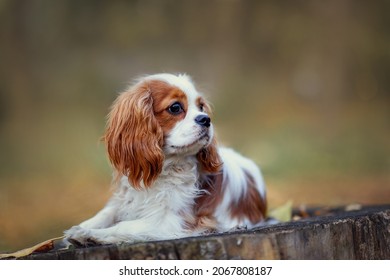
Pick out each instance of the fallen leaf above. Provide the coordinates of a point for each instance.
(282, 213)
(41, 247)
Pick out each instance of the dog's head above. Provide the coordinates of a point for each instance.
(161, 115)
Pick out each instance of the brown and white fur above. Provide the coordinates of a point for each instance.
(172, 180)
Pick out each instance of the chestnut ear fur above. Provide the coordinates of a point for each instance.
(209, 159)
(134, 138)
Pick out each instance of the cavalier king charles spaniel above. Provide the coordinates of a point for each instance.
(172, 180)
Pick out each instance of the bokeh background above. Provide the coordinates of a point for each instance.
(302, 87)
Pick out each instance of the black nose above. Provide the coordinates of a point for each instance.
(203, 120)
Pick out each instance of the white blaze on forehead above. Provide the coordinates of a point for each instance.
(181, 81)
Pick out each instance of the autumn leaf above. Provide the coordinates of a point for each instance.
(282, 213)
(41, 247)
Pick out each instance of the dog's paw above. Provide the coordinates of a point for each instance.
(77, 232)
(80, 236)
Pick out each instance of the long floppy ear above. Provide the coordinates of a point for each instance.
(208, 157)
(134, 138)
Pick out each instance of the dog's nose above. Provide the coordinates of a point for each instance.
(203, 120)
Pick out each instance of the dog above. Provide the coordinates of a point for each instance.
(172, 179)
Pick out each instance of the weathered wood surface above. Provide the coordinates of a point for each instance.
(362, 234)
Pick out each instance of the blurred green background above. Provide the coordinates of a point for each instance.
(302, 87)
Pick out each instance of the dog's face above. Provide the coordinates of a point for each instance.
(182, 114)
(162, 115)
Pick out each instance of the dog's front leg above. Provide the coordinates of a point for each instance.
(103, 219)
(126, 231)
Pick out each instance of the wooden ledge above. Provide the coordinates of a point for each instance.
(336, 234)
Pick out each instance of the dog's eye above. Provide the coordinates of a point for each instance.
(176, 108)
(201, 107)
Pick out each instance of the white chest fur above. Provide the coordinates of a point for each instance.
(172, 194)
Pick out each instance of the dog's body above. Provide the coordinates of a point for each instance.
(172, 179)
